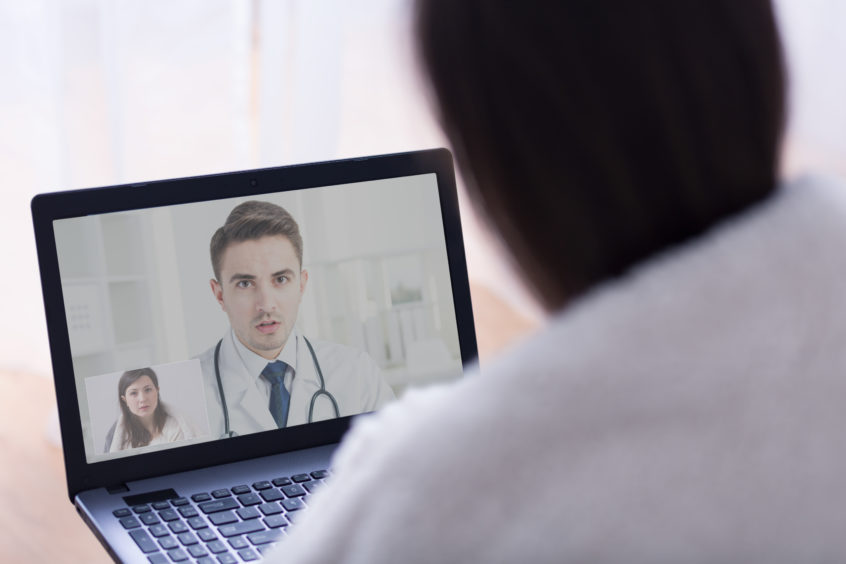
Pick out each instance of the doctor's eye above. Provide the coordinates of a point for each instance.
(244, 283)
(282, 279)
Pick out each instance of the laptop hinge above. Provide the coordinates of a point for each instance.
(117, 488)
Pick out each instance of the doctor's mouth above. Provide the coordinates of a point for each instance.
(268, 326)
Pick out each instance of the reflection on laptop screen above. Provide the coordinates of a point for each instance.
(321, 302)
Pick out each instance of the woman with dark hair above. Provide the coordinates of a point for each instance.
(144, 419)
(685, 400)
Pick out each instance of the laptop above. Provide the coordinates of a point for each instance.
(180, 444)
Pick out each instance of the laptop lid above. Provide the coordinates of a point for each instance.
(128, 286)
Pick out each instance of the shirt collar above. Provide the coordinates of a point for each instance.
(255, 364)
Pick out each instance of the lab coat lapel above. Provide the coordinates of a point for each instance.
(248, 411)
(303, 386)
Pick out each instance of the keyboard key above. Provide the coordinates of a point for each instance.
(246, 513)
(188, 511)
(130, 522)
(301, 478)
(292, 504)
(159, 505)
(168, 515)
(122, 512)
(206, 535)
(222, 518)
(177, 555)
(158, 558)
(178, 527)
(292, 517)
(242, 489)
(159, 531)
(319, 474)
(217, 494)
(293, 490)
(143, 540)
(206, 560)
(168, 542)
(197, 551)
(249, 499)
(179, 502)
(279, 482)
(313, 485)
(248, 555)
(227, 559)
(241, 528)
(216, 547)
(276, 521)
(150, 519)
(271, 495)
(238, 543)
(218, 505)
(270, 508)
(263, 485)
(141, 508)
(187, 538)
(264, 537)
(197, 523)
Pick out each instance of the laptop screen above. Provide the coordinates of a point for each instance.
(308, 305)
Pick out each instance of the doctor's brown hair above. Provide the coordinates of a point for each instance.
(254, 220)
(594, 134)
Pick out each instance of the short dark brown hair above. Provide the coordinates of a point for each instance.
(595, 133)
(254, 220)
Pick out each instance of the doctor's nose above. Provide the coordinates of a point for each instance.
(265, 302)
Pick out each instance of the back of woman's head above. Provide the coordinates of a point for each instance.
(595, 133)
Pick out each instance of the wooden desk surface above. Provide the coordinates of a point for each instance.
(39, 524)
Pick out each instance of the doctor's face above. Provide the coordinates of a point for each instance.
(141, 397)
(260, 288)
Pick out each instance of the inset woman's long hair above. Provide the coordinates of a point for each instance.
(134, 432)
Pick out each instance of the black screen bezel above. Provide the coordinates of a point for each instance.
(46, 208)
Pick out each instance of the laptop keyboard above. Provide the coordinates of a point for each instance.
(223, 526)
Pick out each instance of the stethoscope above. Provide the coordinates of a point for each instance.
(227, 432)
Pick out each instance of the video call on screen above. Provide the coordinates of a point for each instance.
(136, 288)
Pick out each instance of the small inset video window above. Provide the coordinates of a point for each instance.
(148, 408)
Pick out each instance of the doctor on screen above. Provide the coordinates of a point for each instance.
(263, 374)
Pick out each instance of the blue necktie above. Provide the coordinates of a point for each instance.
(280, 398)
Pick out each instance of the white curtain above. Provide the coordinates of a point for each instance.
(815, 45)
(99, 92)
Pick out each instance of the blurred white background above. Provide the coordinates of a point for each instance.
(99, 92)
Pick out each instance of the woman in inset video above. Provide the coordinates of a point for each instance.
(144, 419)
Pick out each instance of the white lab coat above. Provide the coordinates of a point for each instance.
(350, 374)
